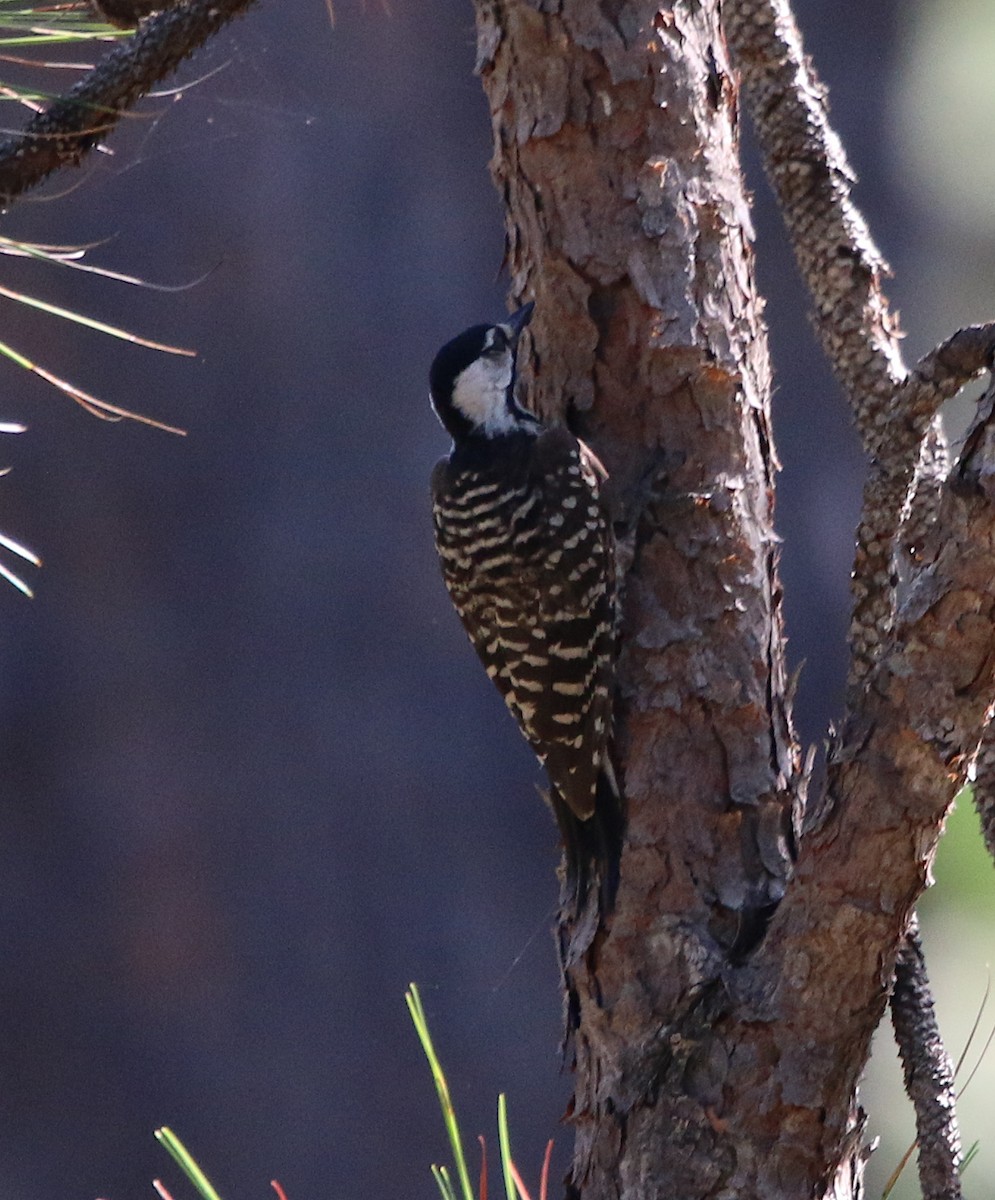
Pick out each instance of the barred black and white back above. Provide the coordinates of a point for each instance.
(528, 556)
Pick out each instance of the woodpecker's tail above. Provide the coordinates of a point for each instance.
(592, 850)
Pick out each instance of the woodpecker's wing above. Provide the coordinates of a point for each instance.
(466, 511)
(576, 594)
(528, 559)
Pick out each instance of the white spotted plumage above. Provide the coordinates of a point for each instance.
(528, 556)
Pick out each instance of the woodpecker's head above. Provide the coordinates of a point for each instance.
(472, 381)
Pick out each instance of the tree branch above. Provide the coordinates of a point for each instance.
(78, 121)
(843, 270)
(810, 175)
(901, 495)
(929, 1074)
(901, 759)
(939, 375)
(919, 522)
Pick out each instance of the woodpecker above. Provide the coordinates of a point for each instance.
(528, 556)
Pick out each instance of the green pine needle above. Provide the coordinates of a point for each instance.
(445, 1184)
(25, 25)
(185, 1161)
(505, 1143)
(114, 331)
(417, 1012)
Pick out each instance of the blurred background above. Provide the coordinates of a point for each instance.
(254, 779)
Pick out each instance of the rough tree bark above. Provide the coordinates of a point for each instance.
(722, 1013)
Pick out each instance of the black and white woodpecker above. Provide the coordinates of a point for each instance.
(528, 556)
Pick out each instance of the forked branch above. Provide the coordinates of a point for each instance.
(844, 270)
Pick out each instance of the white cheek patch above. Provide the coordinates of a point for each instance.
(481, 394)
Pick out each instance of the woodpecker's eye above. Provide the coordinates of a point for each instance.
(495, 342)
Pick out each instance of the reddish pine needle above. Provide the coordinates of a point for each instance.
(544, 1177)
(483, 1166)
(519, 1182)
(281, 1194)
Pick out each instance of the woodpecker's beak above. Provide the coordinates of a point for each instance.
(518, 320)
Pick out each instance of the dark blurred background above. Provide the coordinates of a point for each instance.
(255, 781)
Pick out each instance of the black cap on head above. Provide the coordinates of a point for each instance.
(480, 344)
